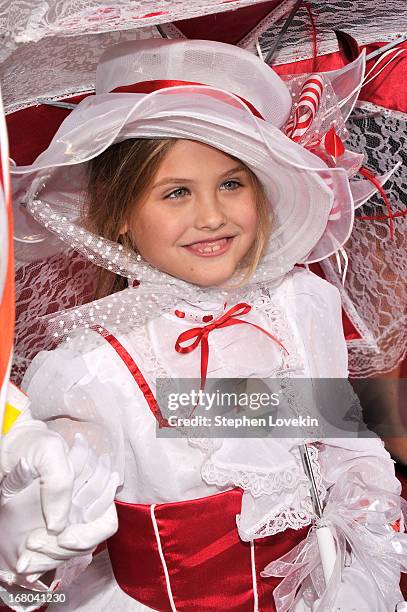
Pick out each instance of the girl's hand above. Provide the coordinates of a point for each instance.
(92, 519)
(45, 551)
(35, 451)
(32, 549)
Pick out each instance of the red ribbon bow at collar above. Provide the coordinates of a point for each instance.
(199, 335)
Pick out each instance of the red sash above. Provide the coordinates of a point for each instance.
(208, 567)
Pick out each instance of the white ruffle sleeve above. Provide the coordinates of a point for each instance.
(71, 399)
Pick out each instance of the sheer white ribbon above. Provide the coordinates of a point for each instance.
(363, 519)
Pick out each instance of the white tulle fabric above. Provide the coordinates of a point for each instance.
(362, 514)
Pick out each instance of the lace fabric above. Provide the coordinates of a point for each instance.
(273, 500)
(374, 294)
(257, 483)
(295, 516)
(366, 21)
(72, 70)
(293, 364)
(50, 277)
(25, 21)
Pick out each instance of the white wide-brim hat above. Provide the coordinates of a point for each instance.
(219, 95)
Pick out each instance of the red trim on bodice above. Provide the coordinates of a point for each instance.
(136, 373)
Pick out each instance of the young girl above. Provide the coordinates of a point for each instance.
(197, 201)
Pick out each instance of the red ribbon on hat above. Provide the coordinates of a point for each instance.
(148, 87)
(199, 335)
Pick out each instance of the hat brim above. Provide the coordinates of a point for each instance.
(301, 189)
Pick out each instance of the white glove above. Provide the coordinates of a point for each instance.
(92, 519)
(44, 454)
(92, 509)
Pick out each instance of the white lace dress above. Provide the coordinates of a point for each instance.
(92, 391)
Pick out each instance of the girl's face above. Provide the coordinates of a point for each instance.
(199, 218)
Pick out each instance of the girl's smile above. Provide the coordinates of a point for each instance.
(200, 227)
(211, 248)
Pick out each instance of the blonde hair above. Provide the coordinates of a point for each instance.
(119, 179)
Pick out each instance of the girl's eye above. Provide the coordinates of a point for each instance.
(231, 185)
(177, 193)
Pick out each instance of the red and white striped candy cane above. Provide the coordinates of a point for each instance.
(308, 104)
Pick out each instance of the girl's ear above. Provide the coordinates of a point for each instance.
(124, 229)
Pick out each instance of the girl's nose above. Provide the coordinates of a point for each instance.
(210, 213)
